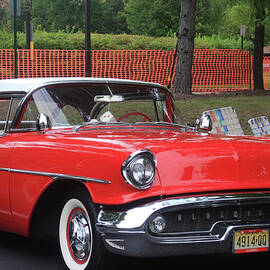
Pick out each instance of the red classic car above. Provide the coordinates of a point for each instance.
(103, 165)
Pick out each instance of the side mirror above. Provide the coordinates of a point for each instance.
(43, 122)
(204, 123)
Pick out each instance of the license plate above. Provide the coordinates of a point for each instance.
(247, 241)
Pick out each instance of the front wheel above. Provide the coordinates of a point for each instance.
(80, 245)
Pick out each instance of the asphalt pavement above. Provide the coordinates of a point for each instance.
(18, 253)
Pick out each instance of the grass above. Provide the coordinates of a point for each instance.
(246, 107)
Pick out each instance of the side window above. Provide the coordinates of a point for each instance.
(30, 115)
(4, 107)
(8, 108)
(13, 109)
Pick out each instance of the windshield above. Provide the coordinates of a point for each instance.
(80, 104)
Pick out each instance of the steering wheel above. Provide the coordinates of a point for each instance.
(146, 117)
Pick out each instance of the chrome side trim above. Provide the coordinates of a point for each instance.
(135, 218)
(57, 176)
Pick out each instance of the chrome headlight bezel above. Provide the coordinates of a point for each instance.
(139, 169)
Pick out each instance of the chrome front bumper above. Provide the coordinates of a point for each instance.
(127, 232)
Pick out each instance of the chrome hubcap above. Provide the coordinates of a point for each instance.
(79, 235)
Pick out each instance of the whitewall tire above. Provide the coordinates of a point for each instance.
(77, 239)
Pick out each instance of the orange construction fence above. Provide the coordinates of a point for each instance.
(221, 70)
(213, 70)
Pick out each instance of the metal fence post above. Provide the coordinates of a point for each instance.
(15, 38)
(88, 64)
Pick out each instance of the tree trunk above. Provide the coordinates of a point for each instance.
(185, 48)
(258, 45)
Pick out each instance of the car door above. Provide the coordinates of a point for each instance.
(6, 148)
(7, 142)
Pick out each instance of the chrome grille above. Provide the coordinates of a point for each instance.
(203, 219)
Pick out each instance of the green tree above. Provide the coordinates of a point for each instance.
(113, 19)
(209, 17)
(166, 15)
(234, 17)
(152, 17)
(138, 16)
(54, 15)
(65, 15)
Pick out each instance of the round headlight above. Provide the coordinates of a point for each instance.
(139, 169)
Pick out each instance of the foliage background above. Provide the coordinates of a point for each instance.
(217, 23)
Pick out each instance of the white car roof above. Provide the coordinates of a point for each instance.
(27, 85)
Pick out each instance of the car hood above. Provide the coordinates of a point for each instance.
(189, 162)
(209, 164)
